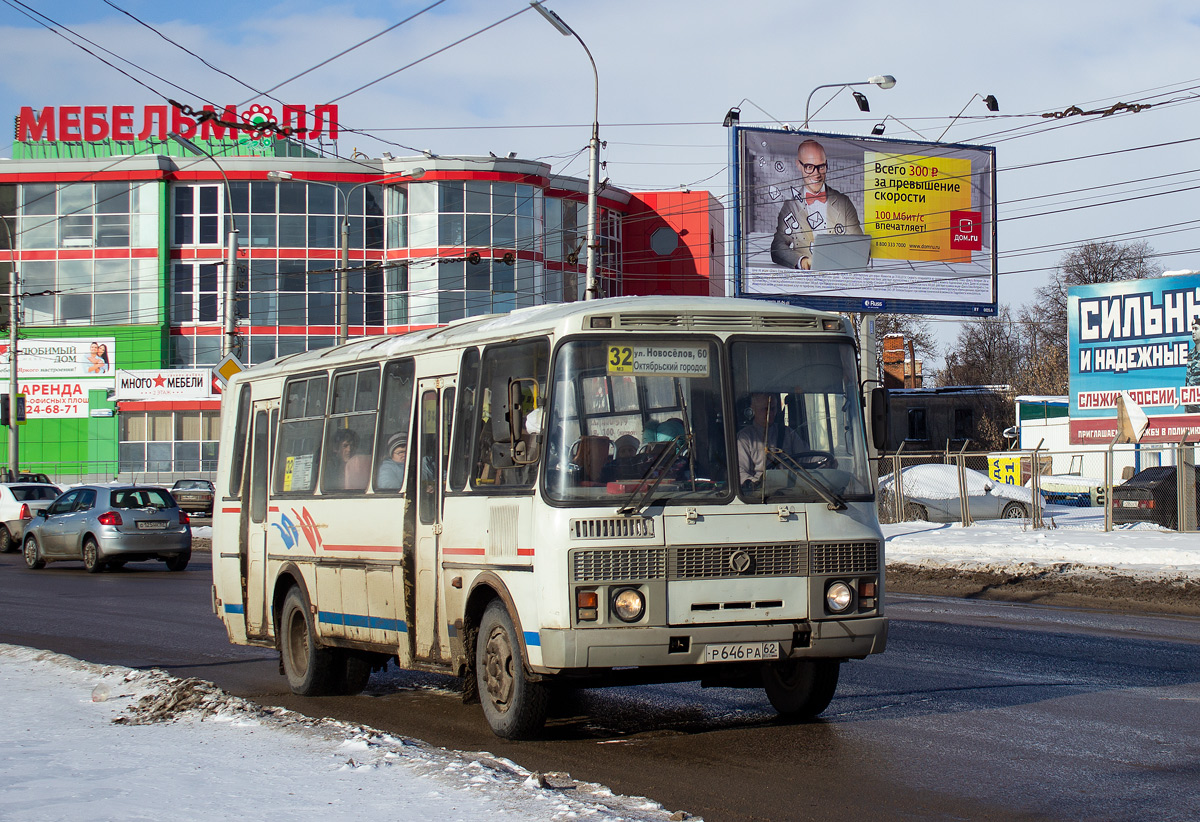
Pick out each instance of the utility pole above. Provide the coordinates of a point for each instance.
(14, 446)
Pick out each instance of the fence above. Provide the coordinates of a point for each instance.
(76, 472)
(1123, 485)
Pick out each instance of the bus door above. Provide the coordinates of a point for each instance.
(435, 407)
(254, 522)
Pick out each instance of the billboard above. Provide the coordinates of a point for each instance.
(1139, 337)
(871, 224)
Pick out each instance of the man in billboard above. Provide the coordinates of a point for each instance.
(815, 209)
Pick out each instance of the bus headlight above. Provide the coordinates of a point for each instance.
(838, 597)
(628, 604)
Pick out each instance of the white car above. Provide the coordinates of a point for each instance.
(18, 501)
(931, 493)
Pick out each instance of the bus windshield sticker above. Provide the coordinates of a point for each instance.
(297, 474)
(664, 360)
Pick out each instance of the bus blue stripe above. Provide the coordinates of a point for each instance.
(533, 638)
(234, 608)
(361, 621)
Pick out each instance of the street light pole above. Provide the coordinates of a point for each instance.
(14, 443)
(591, 290)
(229, 339)
(884, 81)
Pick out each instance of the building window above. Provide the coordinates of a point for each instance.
(917, 429)
(964, 423)
(168, 442)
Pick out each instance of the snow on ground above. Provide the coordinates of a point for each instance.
(73, 746)
(1075, 543)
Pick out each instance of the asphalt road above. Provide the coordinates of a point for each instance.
(978, 710)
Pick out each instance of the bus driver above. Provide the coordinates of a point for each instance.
(752, 440)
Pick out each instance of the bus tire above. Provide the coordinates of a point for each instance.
(309, 668)
(354, 671)
(515, 708)
(800, 688)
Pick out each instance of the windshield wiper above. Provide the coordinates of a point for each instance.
(645, 490)
(836, 503)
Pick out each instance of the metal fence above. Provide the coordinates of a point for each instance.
(78, 473)
(1123, 485)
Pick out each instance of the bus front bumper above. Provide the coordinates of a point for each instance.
(599, 648)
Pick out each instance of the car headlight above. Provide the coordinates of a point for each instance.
(628, 604)
(838, 597)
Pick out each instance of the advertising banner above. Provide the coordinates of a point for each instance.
(865, 223)
(1141, 337)
(56, 399)
(165, 384)
(59, 359)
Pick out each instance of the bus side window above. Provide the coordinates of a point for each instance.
(240, 445)
(395, 417)
(300, 434)
(349, 431)
(507, 447)
(465, 433)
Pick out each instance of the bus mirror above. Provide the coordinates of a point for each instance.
(879, 418)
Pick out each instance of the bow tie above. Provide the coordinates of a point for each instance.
(811, 198)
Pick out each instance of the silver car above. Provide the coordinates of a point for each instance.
(108, 526)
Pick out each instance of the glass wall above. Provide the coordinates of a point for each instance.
(74, 216)
(168, 441)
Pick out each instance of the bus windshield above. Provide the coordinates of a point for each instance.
(799, 429)
(637, 417)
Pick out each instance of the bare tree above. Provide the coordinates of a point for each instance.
(986, 352)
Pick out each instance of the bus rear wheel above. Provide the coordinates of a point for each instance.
(515, 707)
(309, 668)
(800, 688)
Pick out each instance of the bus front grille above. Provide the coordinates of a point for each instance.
(619, 564)
(844, 557)
(716, 561)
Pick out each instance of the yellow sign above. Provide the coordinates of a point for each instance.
(1005, 469)
(663, 360)
(228, 367)
(909, 203)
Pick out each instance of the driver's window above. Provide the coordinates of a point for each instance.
(64, 503)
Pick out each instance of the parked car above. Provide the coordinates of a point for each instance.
(109, 525)
(931, 493)
(194, 495)
(7, 476)
(18, 501)
(1150, 496)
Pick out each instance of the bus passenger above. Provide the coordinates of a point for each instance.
(391, 470)
(355, 468)
(752, 440)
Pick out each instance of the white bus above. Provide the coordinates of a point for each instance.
(629, 490)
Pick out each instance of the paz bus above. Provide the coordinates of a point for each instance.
(619, 491)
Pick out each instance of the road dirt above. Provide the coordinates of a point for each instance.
(1050, 586)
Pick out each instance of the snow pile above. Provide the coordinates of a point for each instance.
(941, 482)
(1075, 543)
(94, 742)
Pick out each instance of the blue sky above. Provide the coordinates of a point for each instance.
(669, 70)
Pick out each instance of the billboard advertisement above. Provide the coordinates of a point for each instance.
(40, 358)
(871, 224)
(1140, 337)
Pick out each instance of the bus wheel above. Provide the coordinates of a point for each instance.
(515, 707)
(800, 688)
(353, 672)
(309, 668)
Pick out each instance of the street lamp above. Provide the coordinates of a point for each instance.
(884, 81)
(590, 290)
(344, 267)
(229, 341)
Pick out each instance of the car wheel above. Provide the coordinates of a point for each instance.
(33, 555)
(92, 561)
(309, 668)
(6, 541)
(913, 511)
(800, 688)
(1014, 510)
(515, 707)
(178, 562)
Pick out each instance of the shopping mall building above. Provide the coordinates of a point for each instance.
(120, 234)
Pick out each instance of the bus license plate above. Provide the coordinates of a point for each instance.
(741, 652)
